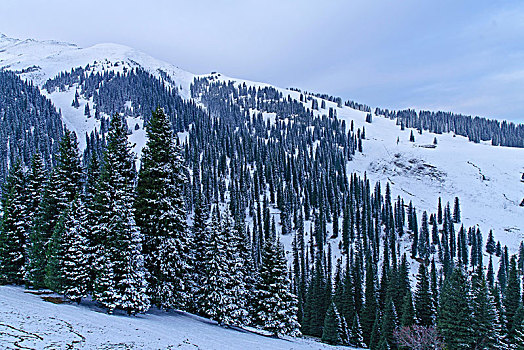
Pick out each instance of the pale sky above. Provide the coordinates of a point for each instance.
(463, 56)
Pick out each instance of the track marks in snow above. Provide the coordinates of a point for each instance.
(17, 335)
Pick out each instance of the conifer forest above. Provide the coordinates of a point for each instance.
(244, 219)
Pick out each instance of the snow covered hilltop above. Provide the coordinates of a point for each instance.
(129, 182)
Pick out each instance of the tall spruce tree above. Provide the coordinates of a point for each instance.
(454, 321)
(13, 228)
(35, 264)
(424, 310)
(66, 269)
(120, 282)
(160, 215)
(62, 187)
(213, 285)
(76, 260)
(512, 299)
(486, 329)
(370, 305)
(408, 312)
(275, 307)
(491, 246)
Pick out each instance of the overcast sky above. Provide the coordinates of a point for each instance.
(463, 56)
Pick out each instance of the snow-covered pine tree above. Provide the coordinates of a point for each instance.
(423, 239)
(68, 171)
(511, 298)
(160, 215)
(35, 265)
(388, 325)
(67, 267)
(236, 296)
(200, 237)
(212, 287)
(243, 270)
(275, 306)
(456, 211)
(54, 278)
(120, 283)
(491, 246)
(93, 241)
(13, 227)
(77, 255)
(368, 316)
(62, 187)
(68, 175)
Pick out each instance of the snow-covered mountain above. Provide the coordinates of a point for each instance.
(486, 178)
(419, 166)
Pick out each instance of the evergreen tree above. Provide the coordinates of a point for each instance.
(13, 228)
(237, 294)
(408, 312)
(317, 300)
(423, 301)
(520, 261)
(93, 240)
(454, 321)
(275, 307)
(35, 245)
(160, 215)
(439, 211)
(201, 231)
(423, 239)
(456, 211)
(332, 332)
(212, 286)
(62, 187)
(490, 244)
(486, 330)
(389, 323)
(66, 269)
(512, 300)
(75, 267)
(370, 305)
(120, 282)
(490, 275)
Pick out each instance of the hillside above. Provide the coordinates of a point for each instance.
(29, 322)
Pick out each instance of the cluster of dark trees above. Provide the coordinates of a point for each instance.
(29, 123)
(102, 229)
(476, 129)
(135, 92)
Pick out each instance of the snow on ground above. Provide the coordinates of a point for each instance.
(485, 178)
(29, 322)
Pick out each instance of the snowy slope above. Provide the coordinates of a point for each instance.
(29, 322)
(487, 179)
